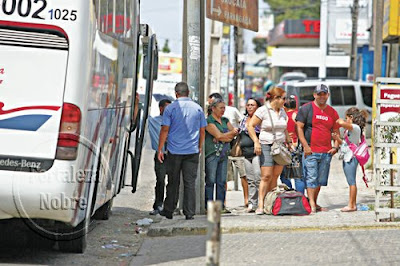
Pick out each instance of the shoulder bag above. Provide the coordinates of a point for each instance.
(279, 151)
(236, 150)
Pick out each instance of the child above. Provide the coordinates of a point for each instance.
(354, 126)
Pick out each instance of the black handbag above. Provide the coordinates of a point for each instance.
(295, 168)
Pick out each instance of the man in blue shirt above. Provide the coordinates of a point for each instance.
(184, 124)
(159, 168)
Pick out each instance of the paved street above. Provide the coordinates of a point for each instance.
(354, 247)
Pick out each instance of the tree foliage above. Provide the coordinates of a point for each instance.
(166, 48)
(260, 45)
(294, 9)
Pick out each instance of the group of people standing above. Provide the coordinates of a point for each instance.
(312, 128)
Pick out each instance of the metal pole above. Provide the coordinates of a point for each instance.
(323, 38)
(235, 66)
(184, 42)
(392, 174)
(378, 24)
(201, 194)
(213, 232)
(353, 55)
(193, 69)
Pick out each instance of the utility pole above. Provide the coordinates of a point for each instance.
(237, 40)
(193, 72)
(378, 24)
(353, 55)
(235, 66)
(323, 38)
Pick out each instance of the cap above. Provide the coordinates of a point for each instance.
(321, 88)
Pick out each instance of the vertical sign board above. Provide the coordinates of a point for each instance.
(389, 110)
(388, 93)
(240, 13)
(391, 21)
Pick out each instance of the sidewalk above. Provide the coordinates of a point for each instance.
(334, 197)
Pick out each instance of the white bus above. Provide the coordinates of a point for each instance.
(68, 107)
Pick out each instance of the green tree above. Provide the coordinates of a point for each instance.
(260, 45)
(165, 48)
(294, 9)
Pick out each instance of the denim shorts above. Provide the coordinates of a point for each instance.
(350, 171)
(265, 156)
(316, 169)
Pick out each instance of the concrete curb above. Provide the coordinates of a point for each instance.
(185, 231)
(328, 221)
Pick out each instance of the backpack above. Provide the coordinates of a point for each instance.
(360, 152)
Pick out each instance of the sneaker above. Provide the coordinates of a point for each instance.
(177, 211)
(250, 208)
(154, 212)
(225, 211)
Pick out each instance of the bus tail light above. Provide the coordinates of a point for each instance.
(68, 137)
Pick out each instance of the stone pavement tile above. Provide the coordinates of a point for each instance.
(328, 247)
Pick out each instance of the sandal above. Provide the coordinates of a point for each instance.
(348, 209)
(259, 211)
(321, 209)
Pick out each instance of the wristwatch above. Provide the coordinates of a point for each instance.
(336, 148)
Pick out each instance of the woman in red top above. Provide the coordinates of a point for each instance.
(291, 111)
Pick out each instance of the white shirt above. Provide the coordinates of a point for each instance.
(233, 115)
(279, 120)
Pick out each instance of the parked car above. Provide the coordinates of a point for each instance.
(343, 95)
(292, 76)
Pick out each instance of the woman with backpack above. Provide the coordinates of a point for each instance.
(353, 135)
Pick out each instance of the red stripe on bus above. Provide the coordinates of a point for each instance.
(42, 107)
(34, 26)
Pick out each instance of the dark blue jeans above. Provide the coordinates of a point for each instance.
(187, 164)
(216, 172)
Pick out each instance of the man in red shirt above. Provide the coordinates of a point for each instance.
(315, 123)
